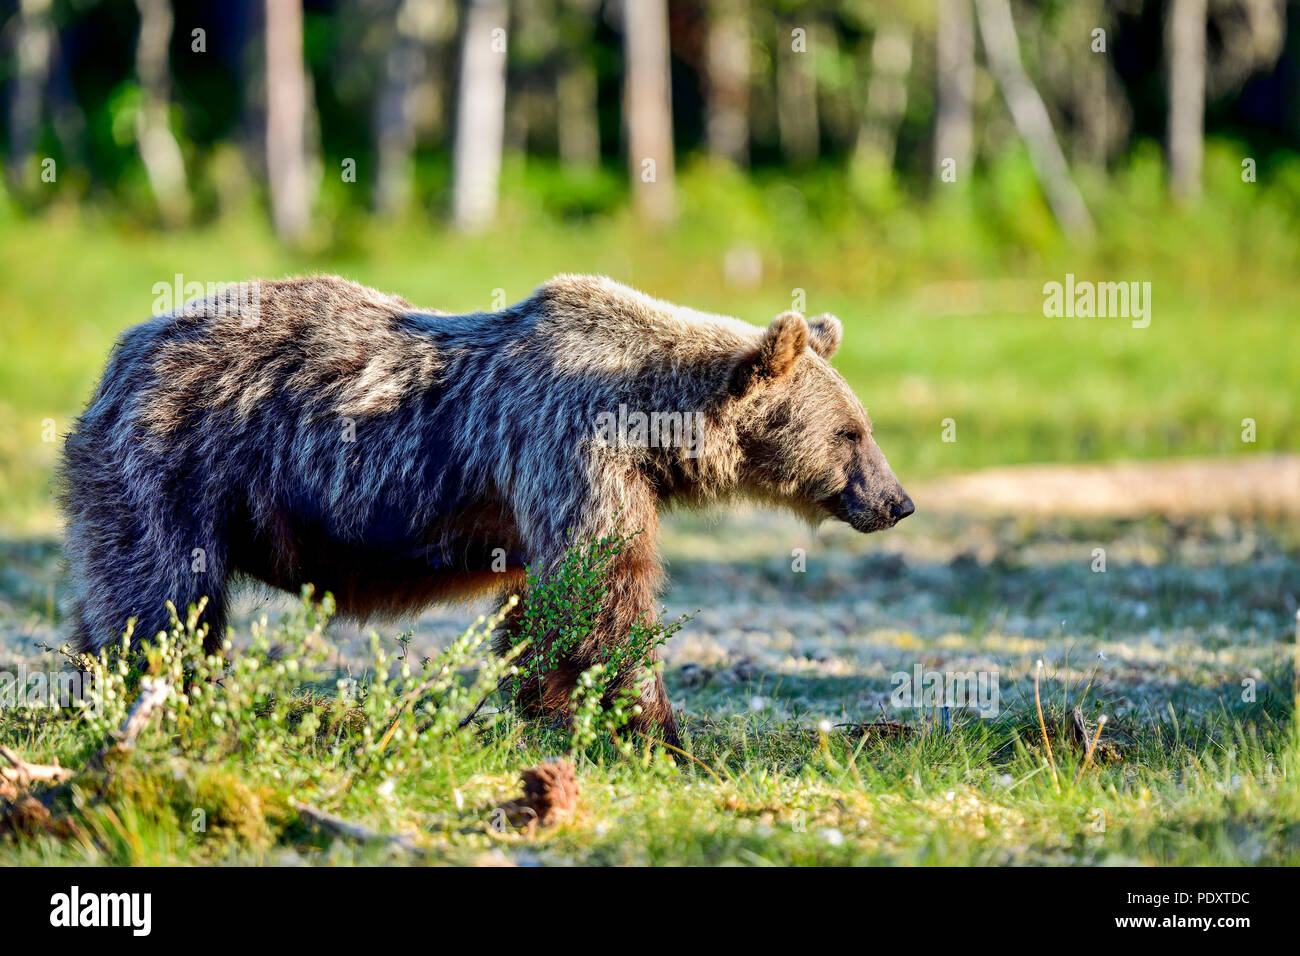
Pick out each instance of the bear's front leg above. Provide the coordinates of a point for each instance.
(656, 717)
(633, 580)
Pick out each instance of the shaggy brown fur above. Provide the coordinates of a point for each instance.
(319, 431)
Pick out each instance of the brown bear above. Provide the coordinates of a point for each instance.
(314, 430)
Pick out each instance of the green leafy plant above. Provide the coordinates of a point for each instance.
(562, 608)
(277, 697)
(563, 605)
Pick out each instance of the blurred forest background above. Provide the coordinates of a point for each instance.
(920, 167)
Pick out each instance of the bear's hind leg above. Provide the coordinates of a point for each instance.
(115, 587)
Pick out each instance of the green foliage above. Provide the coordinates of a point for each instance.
(564, 604)
(595, 716)
(276, 699)
(566, 194)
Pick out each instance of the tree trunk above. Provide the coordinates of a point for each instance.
(34, 50)
(1031, 118)
(955, 50)
(1185, 37)
(404, 66)
(480, 115)
(796, 98)
(159, 150)
(891, 59)
(647, 107)
(727, 81)
(286, 119)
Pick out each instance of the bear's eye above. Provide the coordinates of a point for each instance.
(848, 436)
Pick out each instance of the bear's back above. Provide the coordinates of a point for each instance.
(333, 344)
(316, 340)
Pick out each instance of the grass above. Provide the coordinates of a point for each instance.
(1192, 768)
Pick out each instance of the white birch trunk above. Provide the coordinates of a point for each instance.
(1185, 38)
(891, 60)
(286, 119)
(796, 97)
(727, 81)
(161, 154)
(1030, 116)
(404, 67)
(34, 51)
(647, 108)
(480, 115)
(955, 89)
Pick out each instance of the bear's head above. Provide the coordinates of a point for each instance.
(804, 438)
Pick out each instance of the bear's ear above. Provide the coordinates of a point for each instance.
(825, 334)
(782, 344)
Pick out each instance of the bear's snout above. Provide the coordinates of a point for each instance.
(871, 512)
(872, 499)
(902, 508)
(895, 506)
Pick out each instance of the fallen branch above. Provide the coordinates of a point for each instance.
(23, 772)
(356, 832)
(153, 694)
(17, 777)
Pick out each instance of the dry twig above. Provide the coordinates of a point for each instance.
(1087, 756)
(153, 694)
(356, 832)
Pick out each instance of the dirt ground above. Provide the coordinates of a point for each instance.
(1261, 485)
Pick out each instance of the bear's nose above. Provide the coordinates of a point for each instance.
(901, 509)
